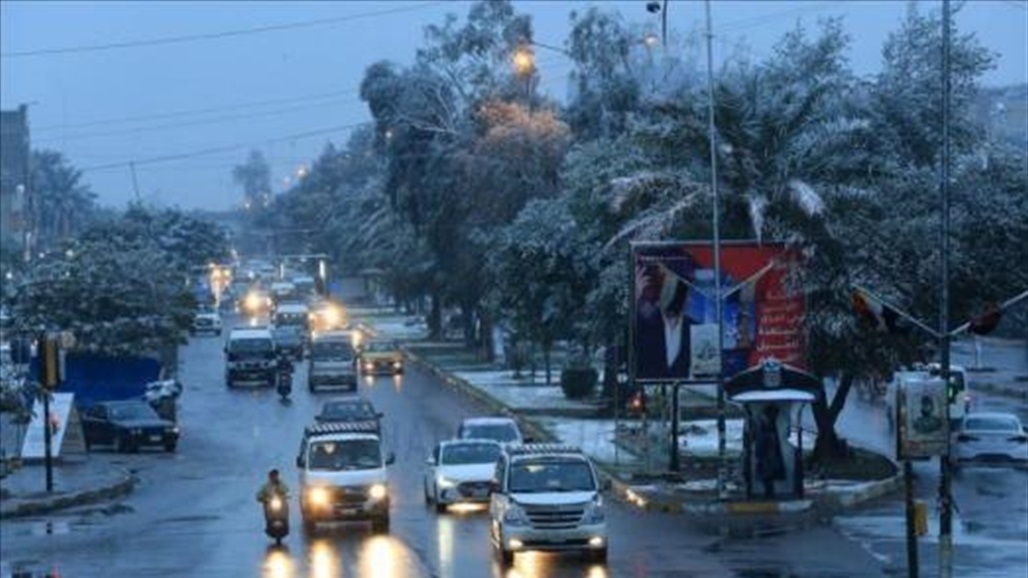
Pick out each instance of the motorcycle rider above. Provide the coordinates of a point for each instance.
(273, 487)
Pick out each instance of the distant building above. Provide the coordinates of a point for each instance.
(14, 173)
(1004, 112)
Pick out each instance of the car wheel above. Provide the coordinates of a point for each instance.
(121, 445)
(380, 525)
(440, 507)
(428, 496)
(598, 556)
(506, 557)
(309, 526)
(170, 447)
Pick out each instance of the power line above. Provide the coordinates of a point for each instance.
(214, 35)
(220, 149)
(198, 122)
(194, 112)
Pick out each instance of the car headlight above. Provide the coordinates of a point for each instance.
(317, 496)
(172, 430)
(594, 512)
(135, 431)
(378, 491)
(444, 482)
(275, 503)
(515, 516)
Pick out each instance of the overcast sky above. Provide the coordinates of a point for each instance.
(290, 91)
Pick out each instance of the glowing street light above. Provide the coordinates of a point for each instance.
(523, 60)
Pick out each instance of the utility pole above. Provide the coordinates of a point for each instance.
(135, 181)
(945, 499)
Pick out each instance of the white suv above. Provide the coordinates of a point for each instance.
(547, 497)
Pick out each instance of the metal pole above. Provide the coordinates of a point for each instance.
(135, 182)
(908, 490)
(47, 441)
(673, 463)
(722, 450)
(945, 501)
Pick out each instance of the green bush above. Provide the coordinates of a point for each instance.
(578, 379)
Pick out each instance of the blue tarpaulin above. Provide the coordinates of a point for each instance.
(94, 378)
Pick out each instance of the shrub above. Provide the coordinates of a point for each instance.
(578, 378)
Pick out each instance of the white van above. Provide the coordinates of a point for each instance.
(343, 475)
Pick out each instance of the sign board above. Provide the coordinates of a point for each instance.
(673, 328)
(923, 430)
(66, 430)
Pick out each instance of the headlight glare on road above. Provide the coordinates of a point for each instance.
(317, 496)
(378, 491)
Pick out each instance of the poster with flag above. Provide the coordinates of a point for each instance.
(674, 331)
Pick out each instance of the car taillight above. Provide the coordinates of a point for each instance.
(966, 438)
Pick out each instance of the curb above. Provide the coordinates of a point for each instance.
(33, 507)
(735, 518)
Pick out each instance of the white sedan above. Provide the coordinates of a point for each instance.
(460, 471)
(990, 437)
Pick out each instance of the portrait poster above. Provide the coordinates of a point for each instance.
(673, 312)
(923, 430)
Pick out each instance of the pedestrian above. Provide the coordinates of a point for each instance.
(770, 466)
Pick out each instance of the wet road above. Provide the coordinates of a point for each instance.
(990, 523)
(194, 513)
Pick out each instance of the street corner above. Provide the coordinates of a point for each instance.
(23, 499)
(835, 496)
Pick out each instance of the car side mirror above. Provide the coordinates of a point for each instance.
(430, 461)
(299, 461)
(390, 459)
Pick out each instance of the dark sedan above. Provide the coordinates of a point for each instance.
(127, 426)
(349, 410)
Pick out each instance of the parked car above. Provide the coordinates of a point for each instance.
(349, 409)
(459, 471)
(381, 356)
(501, 429)
(127, 426)
(206, 322)
(990, 437)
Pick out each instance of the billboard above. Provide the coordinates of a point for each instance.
(673, 327)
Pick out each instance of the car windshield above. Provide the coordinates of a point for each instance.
(250, 345)
(132, 412)
(361, 454)
(347, 411)
(290, 319)
(328, 350)
(551, 476)
(992, 423)
(501, 432)
(379, 346)
(461, 454)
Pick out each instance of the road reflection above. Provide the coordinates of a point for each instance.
(538, 565)
(323, 560)
(278, 563)
(380, 556)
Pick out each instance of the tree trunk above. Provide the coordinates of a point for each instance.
(547, 349)
(435, 317)
(829, 445)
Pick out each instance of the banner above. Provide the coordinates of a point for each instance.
(673, 315)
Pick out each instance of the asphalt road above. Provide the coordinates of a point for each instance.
(990, 522)
(194, 512)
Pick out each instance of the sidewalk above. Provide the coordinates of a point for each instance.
(77, 481)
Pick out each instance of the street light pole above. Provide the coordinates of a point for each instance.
(945, 499)
(722, 450)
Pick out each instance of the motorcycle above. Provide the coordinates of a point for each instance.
(284, 379)
(276, 518)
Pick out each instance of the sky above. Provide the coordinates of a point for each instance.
(184, 113)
